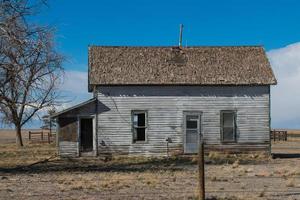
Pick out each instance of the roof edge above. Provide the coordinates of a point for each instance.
(193, 46)
(55, 115)
(176, 84)
(273, 74)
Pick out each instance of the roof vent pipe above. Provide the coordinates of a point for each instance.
(180, 35)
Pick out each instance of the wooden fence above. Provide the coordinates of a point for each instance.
(41, 137)
(278, 135)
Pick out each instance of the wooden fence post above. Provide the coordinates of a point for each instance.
(285, 136)
(49, 140)
(279, 135)
(201, 171)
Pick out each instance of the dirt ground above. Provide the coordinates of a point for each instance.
(34, 172)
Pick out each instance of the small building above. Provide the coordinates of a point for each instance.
(164, 100)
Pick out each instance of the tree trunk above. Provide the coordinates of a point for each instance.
(19, 136)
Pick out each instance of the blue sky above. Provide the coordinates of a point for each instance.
(156, 22)
(273, 24)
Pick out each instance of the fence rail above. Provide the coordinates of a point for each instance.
(279, 135)
(41, 137)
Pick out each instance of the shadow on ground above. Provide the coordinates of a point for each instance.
(285, 155)
(98, 165)
(124, 164)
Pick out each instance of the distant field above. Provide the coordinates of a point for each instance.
(9, 135)
(291, 132)
(294, 133)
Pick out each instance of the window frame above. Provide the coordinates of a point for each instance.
(234, 112)
(133, 127)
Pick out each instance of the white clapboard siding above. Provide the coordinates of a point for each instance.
(68, 149)
(165, 106)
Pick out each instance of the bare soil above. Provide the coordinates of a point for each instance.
(34, 172)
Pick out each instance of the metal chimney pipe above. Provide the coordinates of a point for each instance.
(180, 35)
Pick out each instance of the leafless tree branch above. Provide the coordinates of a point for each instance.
(30, 67)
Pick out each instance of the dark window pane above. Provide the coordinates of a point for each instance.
(228, 119)
(141, 119)
(139, 126)
(140, 134)
(192, 121)
(134, 134)
(228, 134)
(191, 124)
(228, 126)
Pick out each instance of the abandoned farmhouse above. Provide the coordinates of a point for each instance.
(164, 100)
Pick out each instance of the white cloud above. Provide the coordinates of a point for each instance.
(75, 82)
(285, 97)
(74, 89)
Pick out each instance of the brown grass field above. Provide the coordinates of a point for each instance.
(294, 132)
(34, 172)
(9, 135)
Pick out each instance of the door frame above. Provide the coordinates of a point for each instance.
(200, 136)
(94, 151)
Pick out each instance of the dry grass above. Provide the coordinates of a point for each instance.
(223, 198)
(214, 155)
(114, 181)
(262, 193)
(293, 132)
(88, 182)
(13, 156)
(281, 171)
(290, 183)
(236, 159)
(295, 172)
(94, 177)
(236, 164)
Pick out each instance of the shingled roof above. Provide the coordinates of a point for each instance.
(234, 65)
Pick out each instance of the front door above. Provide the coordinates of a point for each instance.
(86, 134)
(192, 131)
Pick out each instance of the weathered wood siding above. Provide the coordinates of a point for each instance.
(165, 106)
(68, 149)
(68, 134)
(68, 129)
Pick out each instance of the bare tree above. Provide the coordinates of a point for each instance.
(48, 122)
(30, 67)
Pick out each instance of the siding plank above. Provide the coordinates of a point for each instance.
(165, 106)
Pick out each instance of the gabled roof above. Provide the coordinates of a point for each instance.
(231, 65)
(55, 115)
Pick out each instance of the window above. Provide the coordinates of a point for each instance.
(139, 125)
(228, 128)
